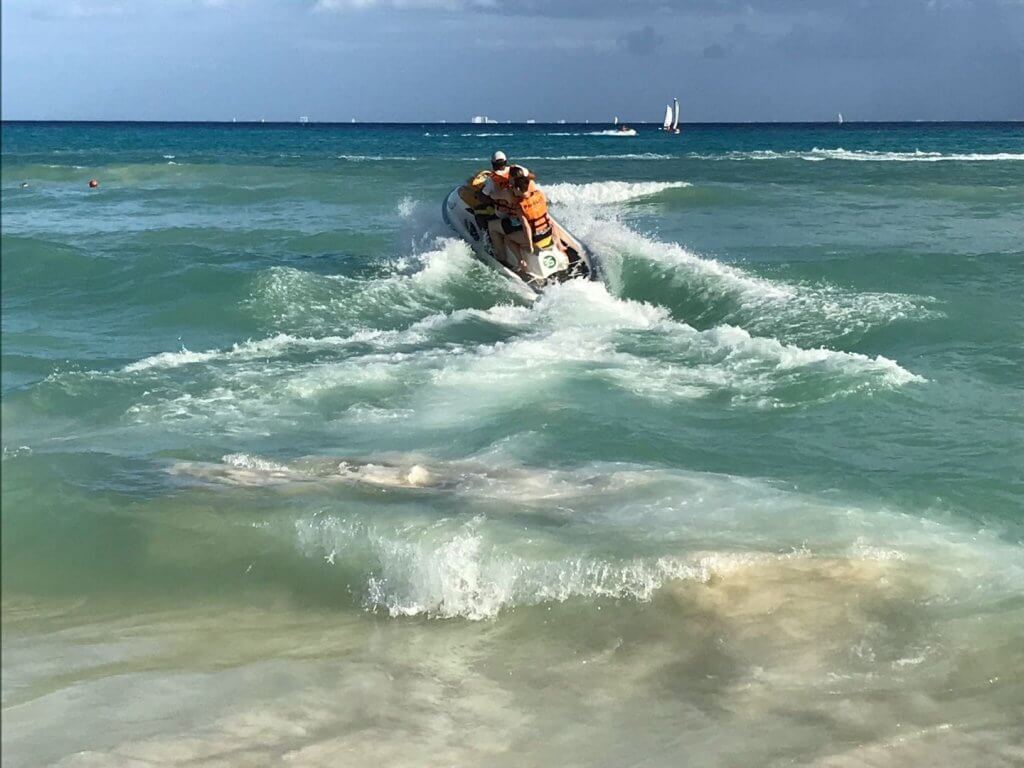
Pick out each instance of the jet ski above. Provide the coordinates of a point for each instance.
(566, 259)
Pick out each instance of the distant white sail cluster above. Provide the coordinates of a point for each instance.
(671, 121)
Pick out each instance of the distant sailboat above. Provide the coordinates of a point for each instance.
(840, 121)
(671, 122)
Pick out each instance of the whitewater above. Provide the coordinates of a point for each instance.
(289, 477)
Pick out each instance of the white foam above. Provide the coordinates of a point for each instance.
(580, 330)
(627, 156)
(574, 331)
(374, 158)
(420, 285)
(170, 360)
(805, 313)
(605, 192)
(464, 575)
(245, 461)
(274, 346)
(478, 567)
(817, 155)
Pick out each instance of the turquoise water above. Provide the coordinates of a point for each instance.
(287, 476)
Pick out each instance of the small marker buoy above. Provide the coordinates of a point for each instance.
(24, 185)
(93, 183)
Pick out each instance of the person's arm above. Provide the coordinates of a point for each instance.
(527, 230)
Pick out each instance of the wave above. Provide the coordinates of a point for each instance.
(275, 346)
(482, 135)
(819, 155)
(451, 368)
(628, 156)
(420, 284)
(477, 565)
(605, 192)
(465, 576)
(375, 158)
(709, 292)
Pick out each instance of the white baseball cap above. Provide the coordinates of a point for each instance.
(498, 156)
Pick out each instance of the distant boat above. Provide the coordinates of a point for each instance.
(840, 120)
(671, 122)
(303, 119)
(531, 121)
(561, 122)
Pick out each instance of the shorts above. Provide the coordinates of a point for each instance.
(509, 225)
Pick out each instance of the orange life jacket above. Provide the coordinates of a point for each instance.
(480, 177)
(534, 208)
(474, 196)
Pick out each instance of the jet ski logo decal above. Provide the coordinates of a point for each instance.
(549, 262)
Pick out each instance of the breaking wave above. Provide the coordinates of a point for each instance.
(374, 158)
(607, 192)
(627, 156)
(818, 155)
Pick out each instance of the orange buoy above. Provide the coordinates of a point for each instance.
(93, 183)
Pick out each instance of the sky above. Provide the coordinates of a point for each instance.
(432, 60)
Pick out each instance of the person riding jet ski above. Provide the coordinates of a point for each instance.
(520, 239)
(482, 186)
(529, 209)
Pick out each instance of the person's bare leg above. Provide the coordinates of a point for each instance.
(516, 242)
(497, 240)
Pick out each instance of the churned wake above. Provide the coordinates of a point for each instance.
(706, 290)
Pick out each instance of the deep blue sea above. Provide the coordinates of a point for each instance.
(290, 478)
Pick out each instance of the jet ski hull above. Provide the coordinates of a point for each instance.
(573, 261)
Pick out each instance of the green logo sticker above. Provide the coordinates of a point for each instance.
(549, 261)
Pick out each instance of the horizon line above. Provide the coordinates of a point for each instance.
(297, 122)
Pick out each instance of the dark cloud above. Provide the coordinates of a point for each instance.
(642, 42)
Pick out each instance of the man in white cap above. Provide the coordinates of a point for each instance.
(498, 174)
(495, 189)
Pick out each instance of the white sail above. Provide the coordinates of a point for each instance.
(616, 121)
(840, 118)
(667, 123)
(675, 114)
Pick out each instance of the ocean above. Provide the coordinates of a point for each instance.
(289, 478)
